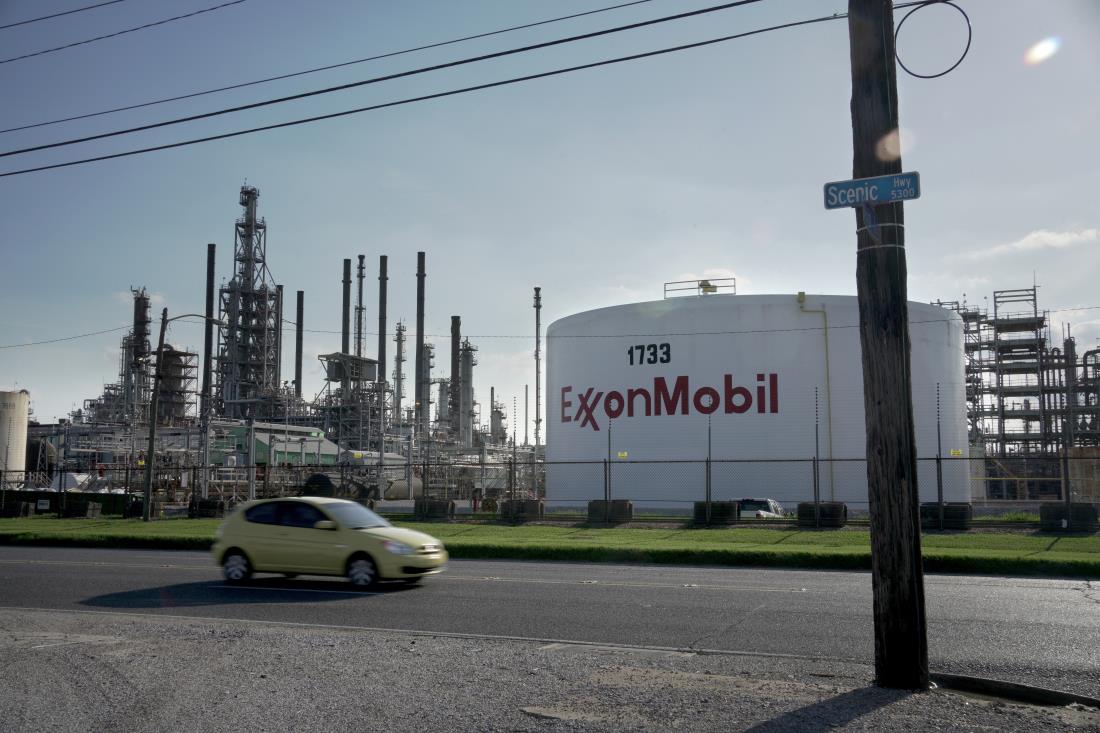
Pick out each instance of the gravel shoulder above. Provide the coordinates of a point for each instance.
(83, 671)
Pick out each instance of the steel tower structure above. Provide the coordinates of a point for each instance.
(251, 308)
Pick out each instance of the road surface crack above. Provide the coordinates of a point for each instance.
(728, 628)
(1091, 592)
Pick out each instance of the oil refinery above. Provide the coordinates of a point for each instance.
(250, 428)
(763, 383)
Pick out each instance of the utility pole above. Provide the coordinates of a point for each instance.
(901, 642)
(146, 511)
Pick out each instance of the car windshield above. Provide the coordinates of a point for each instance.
(754, 505)
(355, 516)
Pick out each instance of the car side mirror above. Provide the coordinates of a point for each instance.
(325, 524)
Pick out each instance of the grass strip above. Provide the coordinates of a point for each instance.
(987, 552)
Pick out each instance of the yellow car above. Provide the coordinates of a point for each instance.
(321, 536)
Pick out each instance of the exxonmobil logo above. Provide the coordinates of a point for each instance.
(589, 406)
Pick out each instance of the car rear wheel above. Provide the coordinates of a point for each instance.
(362, 571)
(236, 567)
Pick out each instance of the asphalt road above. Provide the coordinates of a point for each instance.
(1041, 632)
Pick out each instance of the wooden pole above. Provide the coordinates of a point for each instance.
(901, 644)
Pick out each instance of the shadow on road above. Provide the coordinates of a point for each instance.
(833, 712)
(218, 593)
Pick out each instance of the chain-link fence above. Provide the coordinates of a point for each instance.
(766, 488)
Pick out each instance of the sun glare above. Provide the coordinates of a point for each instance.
(1042, 51)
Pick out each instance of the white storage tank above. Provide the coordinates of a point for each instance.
(14, 415)
(760, 383)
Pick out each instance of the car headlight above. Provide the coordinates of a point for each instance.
(397, 548)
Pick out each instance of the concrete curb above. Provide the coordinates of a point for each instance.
(1013, 691)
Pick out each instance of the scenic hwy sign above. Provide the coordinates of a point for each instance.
(872, 191)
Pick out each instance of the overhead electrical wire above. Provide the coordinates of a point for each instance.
(387, 77)
(438, 95)
(922, 6)
(197, 322)
(452, 92)
(340, 65)
(58, 15)
(65, 338)
(122, 32)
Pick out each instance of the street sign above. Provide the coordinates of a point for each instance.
(872, 191)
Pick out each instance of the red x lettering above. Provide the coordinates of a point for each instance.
(588, 403)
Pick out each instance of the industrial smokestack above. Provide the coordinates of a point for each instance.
(359, 310)
(538, 364)
(383, 277)
(418, 389)
(278, 334)
(345, 326)
(298, 327)
(456, 377)
(208, 337)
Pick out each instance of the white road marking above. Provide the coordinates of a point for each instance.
(89, 563)
(622, 584)
(444, 576)
(300, 590)
(42, 646)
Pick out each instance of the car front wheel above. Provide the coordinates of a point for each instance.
(236, 567)
(362, 572)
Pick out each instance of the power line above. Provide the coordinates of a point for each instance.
(58, 15)
(323, 68)
(387, 77)
(65, 338)
(422, 98)
(120, 33)
(197, 322)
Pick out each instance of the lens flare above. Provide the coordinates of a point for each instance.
(894, 144)
(1042, 51)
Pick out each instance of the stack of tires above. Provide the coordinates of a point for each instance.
(618, 510)
(1081, 517)
(521, 510)
(434, 508)
(956, 515)
(721, 512)
(826, 514)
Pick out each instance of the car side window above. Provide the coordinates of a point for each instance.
(263, 514)
(297, 514)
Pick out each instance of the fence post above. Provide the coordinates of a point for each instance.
(606, 491)
(939, 459)
(512, 489)
(939, 487)
(816, 464)
(707, 484)
(816, 468)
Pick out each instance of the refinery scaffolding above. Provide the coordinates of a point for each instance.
(251, 309)
(177, 388)
(1029, 403)
(126, 402)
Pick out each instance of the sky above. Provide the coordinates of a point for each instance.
(598, 186)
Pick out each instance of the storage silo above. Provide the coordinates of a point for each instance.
(759, 383)
(14, 415)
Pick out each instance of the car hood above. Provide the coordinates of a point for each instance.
(399, 534)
